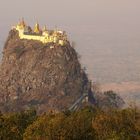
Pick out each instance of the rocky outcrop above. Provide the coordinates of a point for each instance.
(42, 76)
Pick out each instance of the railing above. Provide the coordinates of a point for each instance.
(77, 102)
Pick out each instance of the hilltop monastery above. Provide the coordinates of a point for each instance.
(43, 35)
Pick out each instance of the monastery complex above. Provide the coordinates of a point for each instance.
(43, 35)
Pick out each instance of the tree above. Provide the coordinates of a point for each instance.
(117, 124)
(13, 125)
(46, 127)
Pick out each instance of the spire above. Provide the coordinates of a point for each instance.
(56, 29)
(36, 28)
(22, 22)
(44, 28)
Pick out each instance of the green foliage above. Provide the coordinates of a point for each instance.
(45, 127)
(12, 126)
(86, 124)
(61, 126)
(117, 125)
(78, 125)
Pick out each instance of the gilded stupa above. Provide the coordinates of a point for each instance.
(45, 36)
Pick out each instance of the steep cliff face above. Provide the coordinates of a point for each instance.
(35, 75)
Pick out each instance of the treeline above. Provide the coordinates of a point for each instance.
(86, 124)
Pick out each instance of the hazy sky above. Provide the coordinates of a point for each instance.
(71, 12)
(106, 32)
(73, 15)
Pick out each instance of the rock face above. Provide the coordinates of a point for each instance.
(35, 75)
